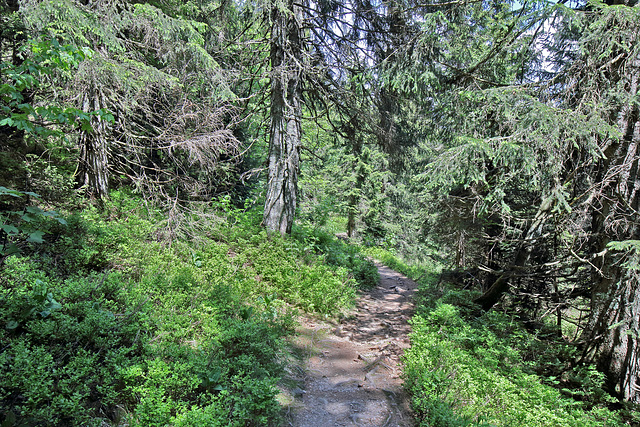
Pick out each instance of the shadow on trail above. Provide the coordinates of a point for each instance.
(352, 375)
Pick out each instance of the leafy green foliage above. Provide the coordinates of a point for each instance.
(28, 224)
(631, 251)
(109, 322)
(272, 268)
(41, 58)
(161, 100)
(470, 369)
(335, 252)
(83, 340)
(475, 370)
(126, 315)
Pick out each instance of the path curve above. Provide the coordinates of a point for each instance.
(352, 374)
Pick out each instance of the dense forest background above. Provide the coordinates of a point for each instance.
(172, 174)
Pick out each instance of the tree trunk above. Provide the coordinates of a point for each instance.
(284, 143)
(613, 330)
(529, 239)
(94, 163)
(354, 194)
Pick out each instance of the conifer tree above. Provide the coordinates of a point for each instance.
(535, 115)
(287, 67)
(153, 68)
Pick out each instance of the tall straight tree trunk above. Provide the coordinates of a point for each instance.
(354, 194)
(94, 163)
(613, 332)
(286, 93)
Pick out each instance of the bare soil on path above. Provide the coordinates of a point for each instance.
(351, 373)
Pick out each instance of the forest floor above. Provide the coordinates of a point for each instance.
(348, 373)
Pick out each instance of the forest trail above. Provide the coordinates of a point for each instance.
(351, 372)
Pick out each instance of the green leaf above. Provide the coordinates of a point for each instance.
(10, 420)
(53, 304)
(36, 237)
(27, 312)
(12, 324)
(4, 191)
(85, 125)
(624, 245)
(50, 306)
(9, 229)
(34, 209)
(27, 218)
(10, 249)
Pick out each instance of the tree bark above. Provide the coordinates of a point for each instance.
(94, 157)
(284, 142)
(614, 324)
(613, 330)
(354, 194)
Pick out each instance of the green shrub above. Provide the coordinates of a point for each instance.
(366, 273)
(462, 373)
(282, 267)
(110, 322)
(213, 414)
(67, 352)
(335, 252)
(467, 368)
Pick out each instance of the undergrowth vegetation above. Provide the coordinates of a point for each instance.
(114, 317)
(107, 320)
(466, 367)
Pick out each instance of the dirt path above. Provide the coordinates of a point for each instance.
(352, 374)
